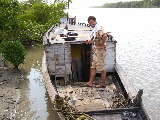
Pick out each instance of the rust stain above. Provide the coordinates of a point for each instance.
(57, 60)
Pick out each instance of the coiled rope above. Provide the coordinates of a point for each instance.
(69, 112)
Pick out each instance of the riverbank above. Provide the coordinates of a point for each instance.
(10, 94)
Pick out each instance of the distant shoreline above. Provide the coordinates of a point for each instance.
(131, 4)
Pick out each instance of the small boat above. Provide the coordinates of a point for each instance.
(118, 101)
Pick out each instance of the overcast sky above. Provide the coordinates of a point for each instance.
(88, 3)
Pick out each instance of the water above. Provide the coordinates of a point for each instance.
(138, 42)
(35, 103)
(137, 32)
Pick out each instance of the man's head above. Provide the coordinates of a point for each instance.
(92, 21)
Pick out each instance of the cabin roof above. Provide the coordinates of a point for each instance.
(84, 33)
(82, 29)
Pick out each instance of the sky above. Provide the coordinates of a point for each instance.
(88, 3)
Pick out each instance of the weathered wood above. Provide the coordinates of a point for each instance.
(126, 82)
(68, 90)
(84, 93)
(51, 90)
(143, 112)
(80, 35)
(138, 98)
(111, 87)
(78, 93)
(62, 91)
(88, 105)
(113, 111)
(108, 117)
(96, 95)
(90, 94)
(106, 103)
(79, 30)
(61, 116)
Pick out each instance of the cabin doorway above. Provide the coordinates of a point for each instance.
(81, 59)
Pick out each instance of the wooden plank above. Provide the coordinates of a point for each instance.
(50, 88)
(111, 87)
(68, 90)
(90, 95)
(78, 93)
(79, 30)
(96, 95)
(106, 102)
(79, 35)
(126, 82)
(113, 111)
(106, 96)
(84, 93)
(89, 105)
(61, 90)
(71, 94)
(108, 117)
(101, 94)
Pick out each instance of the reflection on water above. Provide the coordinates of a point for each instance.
(34, 103)
(137, 32)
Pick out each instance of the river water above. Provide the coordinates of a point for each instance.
(137, 32)
(34, 103)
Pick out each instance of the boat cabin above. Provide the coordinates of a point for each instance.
(61, 45)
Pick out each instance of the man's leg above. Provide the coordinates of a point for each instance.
(103, 77)
(101, 67)
(92, 76)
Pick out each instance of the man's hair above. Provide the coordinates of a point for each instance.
(91, 18)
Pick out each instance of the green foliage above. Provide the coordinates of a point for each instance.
(9, 23)
(13, 51)
(156, 3)
(31, 2)
(28, 21)
(9, 11)
(40, 12)
(132, 4)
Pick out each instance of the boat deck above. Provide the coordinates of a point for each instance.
(97, 102)
(91, 98)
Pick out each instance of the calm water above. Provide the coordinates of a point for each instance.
(137, 32)
(34, 103)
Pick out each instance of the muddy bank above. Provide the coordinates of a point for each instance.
(9, 91)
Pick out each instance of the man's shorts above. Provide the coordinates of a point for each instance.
(99, 60)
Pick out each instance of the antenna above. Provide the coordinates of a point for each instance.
(68, 8)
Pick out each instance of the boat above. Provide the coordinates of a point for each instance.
(118, 101)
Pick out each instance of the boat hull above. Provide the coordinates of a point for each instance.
(102, 113)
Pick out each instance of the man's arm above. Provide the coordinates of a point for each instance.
(104, 37)
(89, 41)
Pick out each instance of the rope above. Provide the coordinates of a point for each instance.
(69, 112)
(124, 103)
